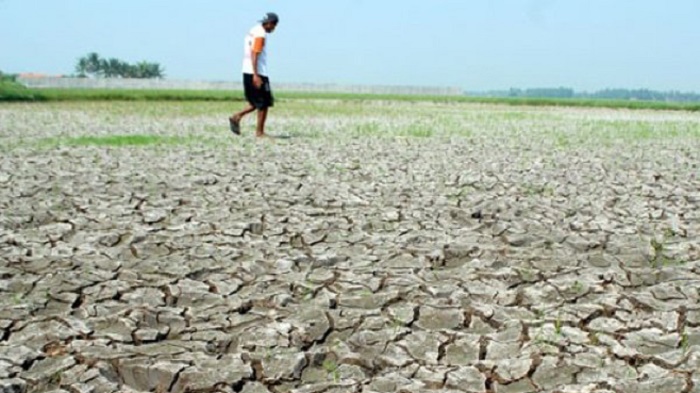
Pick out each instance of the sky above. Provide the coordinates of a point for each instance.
(475, 45)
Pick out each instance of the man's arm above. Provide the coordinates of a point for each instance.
(258, 46)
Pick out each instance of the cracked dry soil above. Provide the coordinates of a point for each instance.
(490, 262)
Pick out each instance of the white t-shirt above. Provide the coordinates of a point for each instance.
(257, 31)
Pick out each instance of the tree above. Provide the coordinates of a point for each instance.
(93, 65)
(149, 70)
(115, 68)
(82, 67)
(7, 77)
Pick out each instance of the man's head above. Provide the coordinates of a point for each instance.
(269, 21)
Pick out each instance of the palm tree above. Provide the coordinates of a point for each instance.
(89, 65)
(148, 70)
(82, 67)
(94, 64)
(114, 68)
(157, 71)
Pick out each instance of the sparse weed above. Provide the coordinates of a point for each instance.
(659, 259)
(115, 141)
(685, 342)
(669, 233)
(562, 141)
(532, 190)
(55, 378)
(593, 338)
(558, 326)
(577, 287)
(527, 274)
(539, 314)
(396, 325)
(418, 131)
(336, 344)
(539, 339)
(463, 191)
(367, 129)
(307, 293)
(331, 368)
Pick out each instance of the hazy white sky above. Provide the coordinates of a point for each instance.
(472, 44)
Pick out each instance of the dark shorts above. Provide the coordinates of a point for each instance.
(260, 98)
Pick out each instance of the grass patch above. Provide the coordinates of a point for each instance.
(562, 141)
(139, 95)
(418, 131)
(11, 91)
(116, 141)
(366, 129)
(641, 131)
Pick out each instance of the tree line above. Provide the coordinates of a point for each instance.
(605, 94)
(95, 66)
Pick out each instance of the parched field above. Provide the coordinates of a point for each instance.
(385, 246)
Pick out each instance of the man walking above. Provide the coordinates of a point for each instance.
(256, 83)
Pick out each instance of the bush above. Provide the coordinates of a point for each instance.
(7, 77)
(13, 91)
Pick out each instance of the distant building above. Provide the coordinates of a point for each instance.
(31, 75)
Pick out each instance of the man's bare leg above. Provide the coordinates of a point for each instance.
(238, 116)
(262, 116)
(235, 119)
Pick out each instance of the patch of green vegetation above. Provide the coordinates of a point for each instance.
(532, 189)
(577, 287)
(17, 298)
(590, 103)
(331, 368)
(607, 132)
(514, 115)
(685, 342)
(463, 191)
(660, 258)
(116, 141)
(566, 102)
(307, 291)
(11, 91)
(526, 274)
(139, 95)
(223, 95)
(562, 141)
(396, 325)
(55, 378)
(593, 338)
(558, 326)
(417, 131)
(366, 293)
(7, 77)
(367, 129)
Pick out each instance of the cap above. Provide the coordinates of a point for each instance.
(270, 17)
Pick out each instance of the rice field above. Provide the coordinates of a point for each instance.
(375, 246)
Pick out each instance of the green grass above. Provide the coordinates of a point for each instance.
(116, 141)
(14, 92)
(418, 131)
(615, 104)
(138, 95)
(11, 91)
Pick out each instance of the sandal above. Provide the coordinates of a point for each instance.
(235, 126)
